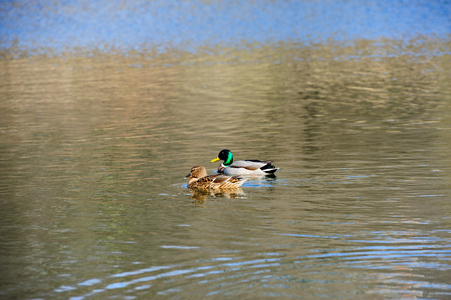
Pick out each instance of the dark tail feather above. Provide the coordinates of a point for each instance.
(269, 168)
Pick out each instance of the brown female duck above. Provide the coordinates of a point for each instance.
(200, 180)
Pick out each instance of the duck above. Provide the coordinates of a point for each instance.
(200, 180)
(243, 167)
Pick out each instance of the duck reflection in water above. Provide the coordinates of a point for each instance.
(200, 197)
(202, 185)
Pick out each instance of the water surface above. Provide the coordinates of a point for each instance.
(94, 150)
(106, 106)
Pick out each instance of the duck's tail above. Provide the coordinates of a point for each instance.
(269, 168)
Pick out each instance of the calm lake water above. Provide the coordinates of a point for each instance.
(94, 149)
(94, 145)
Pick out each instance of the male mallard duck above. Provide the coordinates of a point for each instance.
(243, 167)
(199, 179)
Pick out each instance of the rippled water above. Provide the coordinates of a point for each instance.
(94, 149)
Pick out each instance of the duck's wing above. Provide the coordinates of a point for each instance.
(228, 182)
(220, 178)
(210, 181)
(250, 164)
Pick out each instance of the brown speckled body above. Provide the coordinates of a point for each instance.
(199, 179)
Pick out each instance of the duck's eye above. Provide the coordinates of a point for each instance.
(224, 154)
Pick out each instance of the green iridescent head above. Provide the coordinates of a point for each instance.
(226, 156)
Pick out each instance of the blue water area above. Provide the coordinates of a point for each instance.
(134, 25)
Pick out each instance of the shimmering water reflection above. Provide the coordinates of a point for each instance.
(94, 150)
